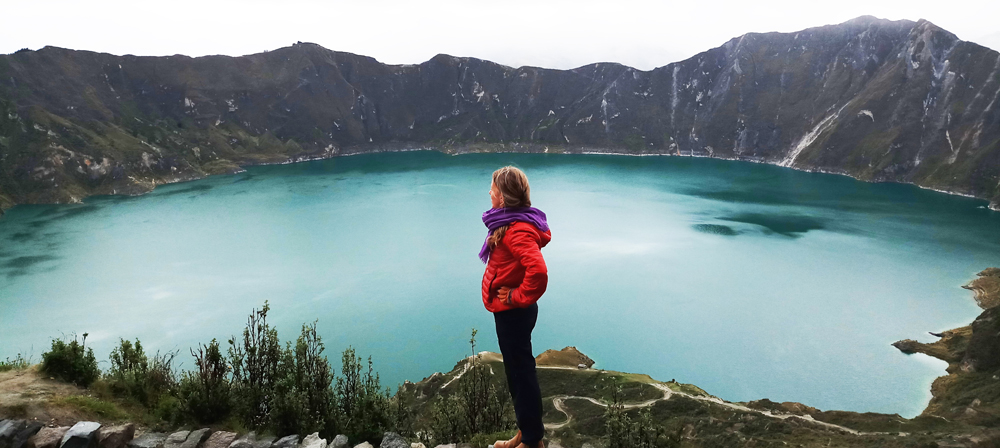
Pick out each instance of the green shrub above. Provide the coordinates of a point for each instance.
(18, 363)
(363, 405)
(303, 400)
(643, 432)
(448, 423)
(71, 362)
(205, 393)
(487, 405)
(254, 361)
(134, 376)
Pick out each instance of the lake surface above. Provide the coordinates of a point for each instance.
(748, 280)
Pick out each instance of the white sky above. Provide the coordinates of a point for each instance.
(546, 33)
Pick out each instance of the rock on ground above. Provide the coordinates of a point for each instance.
(148, 440)
(417, 445)
(313, 441)
(176, 439)
(115, 436)
(195, 438)
(20, 440)
(364, 445)
(291, 441)
(81, 435)
(48, 437)
(219, 439)
(393, 440)
(251, 441)
(10, 427)
(339, 442)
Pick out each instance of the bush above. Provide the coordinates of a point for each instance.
(303, 400)
(18, 363)
(254, 361)
(71, 362)
(363, 406)
(487, 406)
(132, 375)
(205, 393)
(623, 432)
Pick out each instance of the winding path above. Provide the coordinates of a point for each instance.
(559, 401)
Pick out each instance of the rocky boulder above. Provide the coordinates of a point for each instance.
(364, 445)
(115, 436)
(291, 441)
(313, 441)
(393, 440)
(148, 440)
(251, 440)
(81, 435)
(8, 428)
(220, 439)
(20, 439)
(176, 439)
(339, 442)
(48, 437)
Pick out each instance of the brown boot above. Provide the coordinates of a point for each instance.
(512, 443)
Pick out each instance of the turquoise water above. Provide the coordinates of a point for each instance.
(748, 280)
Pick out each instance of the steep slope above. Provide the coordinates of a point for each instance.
(879, 100)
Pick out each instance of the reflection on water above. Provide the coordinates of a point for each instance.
(748, 280)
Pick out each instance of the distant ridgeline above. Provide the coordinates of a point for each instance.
(878, 100)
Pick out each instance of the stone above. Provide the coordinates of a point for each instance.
(48, 437)
(220, 439)
(148, 440)
(115, 436)
(313, 441)
(364, 445)
(417, 445)
(291, 441)
(20, 440)
(195, 438)
(81, 435)
(250, 440)
(393, 440)
(8, 429)
(176, 439)
(339, 442)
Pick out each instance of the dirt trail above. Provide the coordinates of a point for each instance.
(28, 394)
(559, 401)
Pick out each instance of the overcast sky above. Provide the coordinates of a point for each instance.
(555, 34)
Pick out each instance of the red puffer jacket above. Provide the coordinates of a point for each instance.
(517, 262)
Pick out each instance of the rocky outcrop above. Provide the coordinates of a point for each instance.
(879, 100)
(393, 440)
(567, 357)
(220, 439)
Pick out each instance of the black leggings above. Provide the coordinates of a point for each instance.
(514, 334)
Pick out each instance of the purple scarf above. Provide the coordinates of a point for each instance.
(495, 218)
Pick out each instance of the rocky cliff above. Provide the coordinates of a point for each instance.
(878, 100)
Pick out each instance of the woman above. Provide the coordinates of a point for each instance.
(515, 278)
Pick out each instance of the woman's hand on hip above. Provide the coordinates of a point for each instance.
(504, 294)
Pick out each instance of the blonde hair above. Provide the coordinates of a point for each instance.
(515, 191)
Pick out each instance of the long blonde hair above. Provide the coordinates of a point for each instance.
(515, 191)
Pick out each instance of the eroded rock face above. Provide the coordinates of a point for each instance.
(876, 99)
(983, 352)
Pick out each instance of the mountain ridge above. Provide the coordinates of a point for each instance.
(875, 99)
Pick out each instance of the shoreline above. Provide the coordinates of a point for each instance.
(531, 148)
